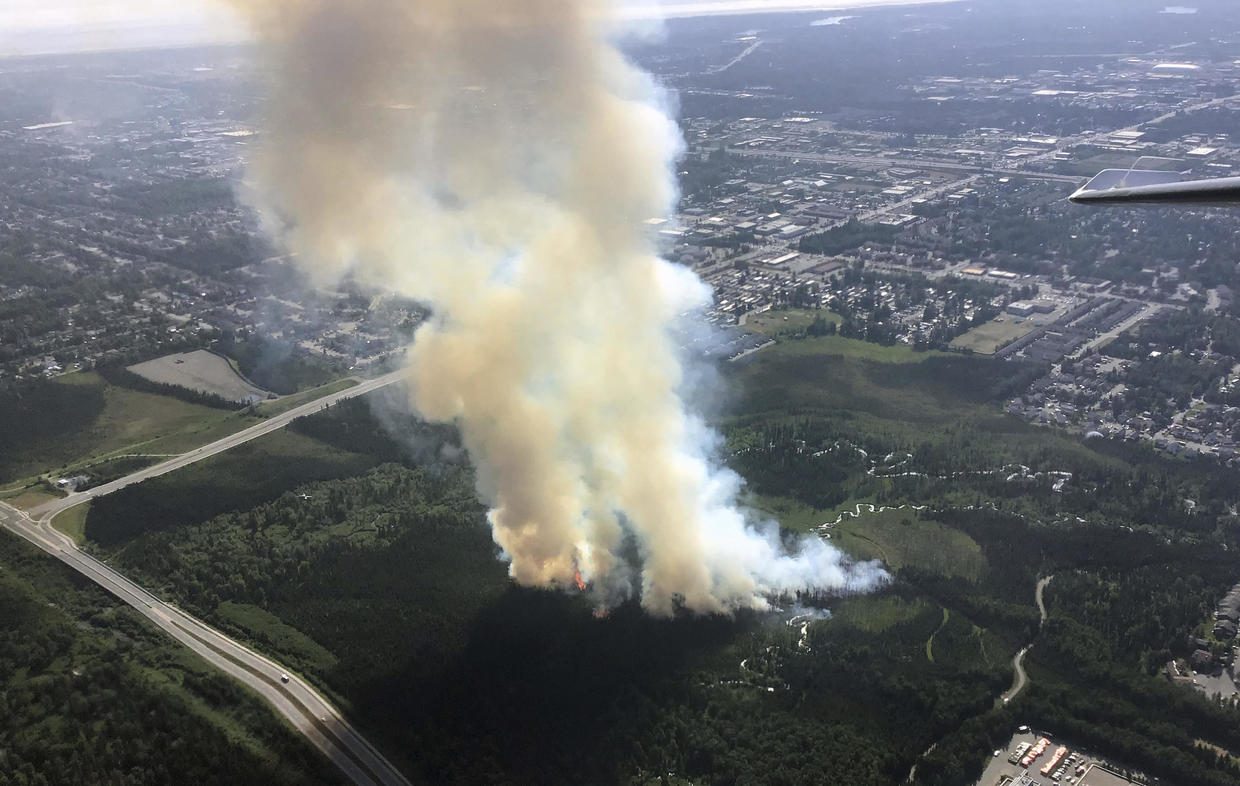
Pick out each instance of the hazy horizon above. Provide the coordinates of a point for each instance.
(29, 27)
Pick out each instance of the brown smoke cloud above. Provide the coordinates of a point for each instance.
(496, 159)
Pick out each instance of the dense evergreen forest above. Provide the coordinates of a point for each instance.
(385, 589)
(90, 693)
(41, 410)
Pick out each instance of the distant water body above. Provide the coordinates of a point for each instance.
(692, 8)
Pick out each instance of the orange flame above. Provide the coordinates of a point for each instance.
(581, 584)
(602, 614)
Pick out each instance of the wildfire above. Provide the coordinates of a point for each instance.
(581, 584)
(602, 613)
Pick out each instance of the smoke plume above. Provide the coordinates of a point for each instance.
(497, 159)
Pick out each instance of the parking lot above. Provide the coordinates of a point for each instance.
(1074, 768)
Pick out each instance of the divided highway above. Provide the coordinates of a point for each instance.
(309, 712)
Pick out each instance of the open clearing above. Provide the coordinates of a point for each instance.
(849, 347)
(769, 323)
(202, 371)
(72, 522)
(30, 497)
(875, 614)
(128, 422)
(1088, 167)
(903, 537)
(986, 339)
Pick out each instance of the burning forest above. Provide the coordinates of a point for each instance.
(498, 161)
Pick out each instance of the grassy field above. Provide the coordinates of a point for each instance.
(875, 614)
(72, 522)
(792, 515)
(960, 643)
(896, 537)
(988, 338)
(1088, 167)
(285, 403)
(848, 347)
(30, 496)
(771, 322)
(831, 376)
(130, 422)
(903, 537)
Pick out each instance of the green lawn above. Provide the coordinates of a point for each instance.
(72, 522)
(988, 338)
(849, 347)
(830, 376)
(1088, 167)
(30, 496)
(771, 322)
(129, 422)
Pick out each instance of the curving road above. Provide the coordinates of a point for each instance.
(1022, 679)
(1018, 664)
(310, 713)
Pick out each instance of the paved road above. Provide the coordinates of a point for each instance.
(308, 711)
(749, 50)
(273, 423)
(912, 199)
(1151, 309)
(1021, 678)
(915, 163)
(1103, 136)
(1018, 664)
(1063, 145)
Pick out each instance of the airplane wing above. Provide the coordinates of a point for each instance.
(1137, 186)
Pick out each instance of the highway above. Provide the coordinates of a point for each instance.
(308, 712)
(926, 194)
(274, 423)
(913, 163)
(955, 166)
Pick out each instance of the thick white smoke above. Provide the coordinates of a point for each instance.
(497, 159)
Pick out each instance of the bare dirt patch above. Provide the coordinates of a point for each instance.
(202, 371)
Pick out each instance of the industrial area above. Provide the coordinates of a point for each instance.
(1034, 758)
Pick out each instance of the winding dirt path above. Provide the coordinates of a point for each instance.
(1018, 664)
(1021, 679)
